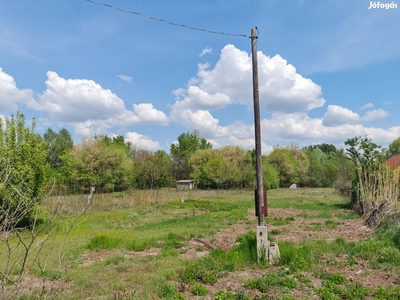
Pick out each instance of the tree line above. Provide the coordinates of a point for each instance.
(114, 164)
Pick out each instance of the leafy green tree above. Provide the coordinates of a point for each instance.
(187, 144)
(58, 144)
(220, 172)
(196, 163)
(394, 147)
(152, 169)
(24, 172)
(325, 148)
(331, 173)
(97, 163)
(244, 163)
(315, 172)
(367, 158)
(270, 175)
(283, 161)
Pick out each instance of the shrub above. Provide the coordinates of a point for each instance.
(199, 290)
(24, 172)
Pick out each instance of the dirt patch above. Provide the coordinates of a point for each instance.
(283, 225)
(300, 226)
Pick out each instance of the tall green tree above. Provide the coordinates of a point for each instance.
(24, 172)
(283, 160)
(58, 144)
(394, 147)
(152, 170)
(270, 175)
(181, 151)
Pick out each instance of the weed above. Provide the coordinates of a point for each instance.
(288, 282)
(279, 221)
(298, 258)
(199, 290)
(275, 232)
(114, 260)
(331, 224)
(356, 291)
(347, 216)
(302, 278)
(103, 242)
(136, 246)
(271, 279)
(336, 278)
(315, 226)
(167, 290)
(221, 295)
(391, 293)
(324, 215)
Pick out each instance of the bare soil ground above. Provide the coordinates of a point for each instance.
(303, 227)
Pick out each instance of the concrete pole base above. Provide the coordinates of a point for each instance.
(266, 250)
(262, 243)
(273, 253)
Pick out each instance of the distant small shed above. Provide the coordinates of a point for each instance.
(184, 185)
(293, 185)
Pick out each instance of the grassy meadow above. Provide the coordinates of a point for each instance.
(132, 246)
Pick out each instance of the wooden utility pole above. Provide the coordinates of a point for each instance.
(257, 128)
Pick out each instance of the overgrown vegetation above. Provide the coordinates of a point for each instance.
(47, 242)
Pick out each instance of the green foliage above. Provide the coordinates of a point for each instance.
(24, 172)
(114, 260)
(187, 144)
(336, 278)
(152, 170)
(99, 163)
(58, 144)
(389, 293)
(394, 148)
(279, 221)
(199, 290)
(222, 295)
(103, 242)
(271, 279)
(228, 167)
(283, 161)
(168, 290)
(297, 257)
(270, 175)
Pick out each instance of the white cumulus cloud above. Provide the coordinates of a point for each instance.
(142, 142)
(338, 115)
(90, 108)
(375, 114)
(10, 94)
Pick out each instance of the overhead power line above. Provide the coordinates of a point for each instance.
(165, 21)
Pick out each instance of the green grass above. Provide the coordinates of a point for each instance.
(118, 225)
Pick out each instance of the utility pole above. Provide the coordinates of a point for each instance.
(263, 244)
(257, 128)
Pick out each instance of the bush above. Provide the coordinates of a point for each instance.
(199, 290)
(24, 172)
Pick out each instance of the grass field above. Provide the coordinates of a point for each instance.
(150, 245)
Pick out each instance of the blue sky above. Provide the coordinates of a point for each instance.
(328, 70)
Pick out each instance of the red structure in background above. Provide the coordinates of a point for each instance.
(264, 206)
